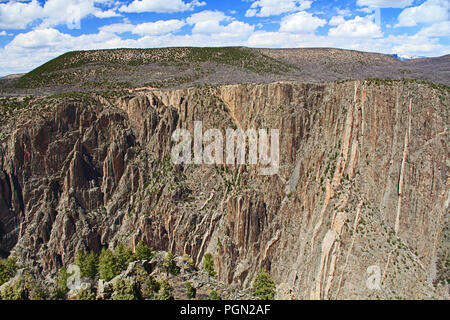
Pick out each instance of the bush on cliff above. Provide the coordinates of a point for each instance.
(264, 286)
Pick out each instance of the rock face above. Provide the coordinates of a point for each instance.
(358, 209)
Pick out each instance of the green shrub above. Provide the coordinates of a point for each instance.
(165, 291)
(264, 286)
(8, 268)
(213, 295)
(208, 265)
(107, 265)
(123, 256)
(62, 289)
(190, 290)
(85, 295)
(169, 264)
(143, 252)
(88, 264)
(13, 292)
(188, 262)
(124, 290)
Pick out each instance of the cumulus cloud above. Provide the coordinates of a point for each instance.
(212, 22)
(160, 6)
(301, 22)
(359, 27)
(19, 15)
(441, 29)
(147, 28)
(384, 3)
(431, 11)
(267, 8)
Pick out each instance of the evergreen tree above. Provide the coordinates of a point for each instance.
(208, 265)
(80, 261)
(107, 265)
(170, 265)
(165, 291)
(8, 269)
(88, 264)
(264, 286)
(188, 262)
(84, 294)
(213, 295)
(123, 256)
(124, 290)
(190, 290)
(91, 267)
(142, 252)
(62, 283)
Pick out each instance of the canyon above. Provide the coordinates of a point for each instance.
(362, 185)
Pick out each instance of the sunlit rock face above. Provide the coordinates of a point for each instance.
(363, 182)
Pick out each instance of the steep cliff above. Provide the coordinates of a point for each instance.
(363, 182)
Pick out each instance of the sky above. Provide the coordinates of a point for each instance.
(35, 31)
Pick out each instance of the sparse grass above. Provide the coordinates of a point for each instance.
(55, 71)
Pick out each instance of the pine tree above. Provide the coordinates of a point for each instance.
(123, 255)
(62, 283)
(88, 264)
(190, 290)
(124, 290)
(208, 265)
(80, 261)
(213, 295)
(165, 291)
(107, 265)
(170, 265)
(91, 267)
(8, 268)
(264, 286)
(142, 252)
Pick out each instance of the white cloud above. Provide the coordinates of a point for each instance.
(301, 22)
(107, 14)
(384, 3)
(266, 8)
(209, 22)
(407, 45)
(431, 11)
(118, 28)
(19, 15)
(359, 27)
(160, 6)
(336, 20)
(366, 10)
(145, 29)
(344, 12)
(440, 29)
(4, 33)
(158, 27)
(206, 16)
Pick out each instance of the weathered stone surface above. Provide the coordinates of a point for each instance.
(363, 181)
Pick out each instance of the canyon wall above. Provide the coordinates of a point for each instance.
(358, 209)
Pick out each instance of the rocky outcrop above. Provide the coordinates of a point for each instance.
(363, 182)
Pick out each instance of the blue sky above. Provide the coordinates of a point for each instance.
(34, 31)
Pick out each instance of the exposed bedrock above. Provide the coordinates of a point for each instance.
(363, 181)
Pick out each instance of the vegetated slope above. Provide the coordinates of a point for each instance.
(166, 67)
(363, 182)
(102, 70)
(329, 64)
